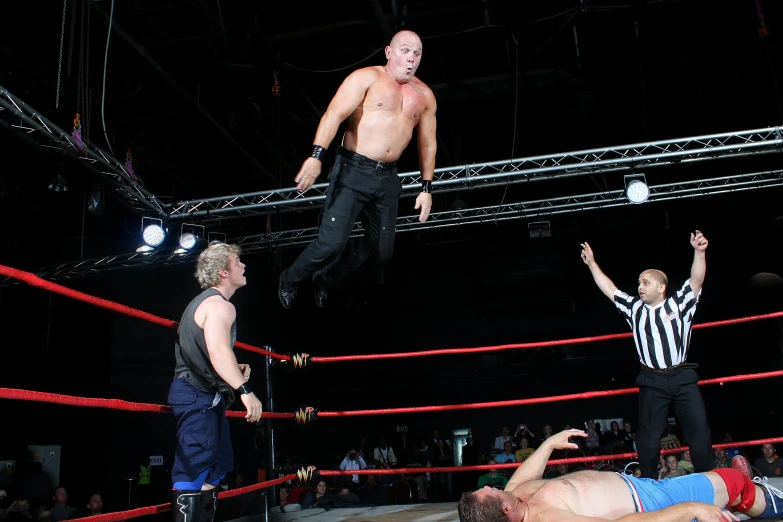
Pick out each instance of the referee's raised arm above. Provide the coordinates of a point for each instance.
(699, 267)
(601, 280)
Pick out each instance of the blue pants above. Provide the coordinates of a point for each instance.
(652, 495)
(204, 451)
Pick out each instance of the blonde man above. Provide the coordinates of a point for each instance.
(207, 377)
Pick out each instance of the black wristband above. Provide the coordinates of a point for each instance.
(426, 186)
(318, 152)
(243, 389)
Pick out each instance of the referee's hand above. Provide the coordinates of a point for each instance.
(698, 241)
(587, 254)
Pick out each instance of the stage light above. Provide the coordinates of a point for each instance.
(187, 240)
(152, 233)
(636, 189)
(58, 184)
(191, 237)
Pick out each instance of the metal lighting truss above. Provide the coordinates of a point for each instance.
(48, 135)
(522, 170)
(525, 209)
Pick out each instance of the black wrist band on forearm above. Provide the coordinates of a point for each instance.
(243, 389)
(318, 152)
(426, 186)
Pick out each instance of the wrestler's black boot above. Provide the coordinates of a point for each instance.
(209, 502)
(185, 505)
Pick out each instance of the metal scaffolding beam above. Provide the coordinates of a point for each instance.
(481, 175)
(520, 210)
(32, 124)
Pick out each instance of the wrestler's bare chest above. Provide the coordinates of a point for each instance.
(395, 99)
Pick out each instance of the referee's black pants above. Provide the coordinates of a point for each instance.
(657, 391)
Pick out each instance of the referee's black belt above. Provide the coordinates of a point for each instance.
(670, 369)
(365, 161)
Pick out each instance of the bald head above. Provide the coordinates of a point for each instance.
(405, 36)
(657, 275)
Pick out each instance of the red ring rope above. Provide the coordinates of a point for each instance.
(112, 404)
(553, 462)
(518, 346)
(162, 508)
(15, 393)
(34, 280)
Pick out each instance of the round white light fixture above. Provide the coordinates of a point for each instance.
(187, 240)
(153, 235)
(637, 191)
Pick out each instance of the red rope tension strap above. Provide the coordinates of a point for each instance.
(34, 280)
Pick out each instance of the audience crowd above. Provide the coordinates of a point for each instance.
(353, 489)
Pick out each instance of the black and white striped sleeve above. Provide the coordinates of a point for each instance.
(624, 303)
(686, 299)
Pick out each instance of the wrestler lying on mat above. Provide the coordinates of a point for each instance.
(585, 496)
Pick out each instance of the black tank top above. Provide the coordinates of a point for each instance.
(192, 357)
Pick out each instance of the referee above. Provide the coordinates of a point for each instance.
(662, 332)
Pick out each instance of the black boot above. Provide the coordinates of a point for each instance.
(209, 502)
(185, 505)
(286, 295)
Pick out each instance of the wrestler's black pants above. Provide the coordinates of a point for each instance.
(656, 392)
(355, 186)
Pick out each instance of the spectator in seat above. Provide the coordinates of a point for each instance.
(547, 432)
(286, 503)
(507, 455)
(384, 455)
(95, 505)
(311, 498)
(353, 461)
(721, 460)
(19, 511)
(562, 469)
(61, 510)
(524, 432)
(769, 465)
(669, 468)
(492, 479)
(593, 439)
(371, 492)
(630, 435)
(524, 450)
(685, 462)
(505, 436)
(614, 437)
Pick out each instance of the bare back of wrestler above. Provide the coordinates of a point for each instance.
(583, 496)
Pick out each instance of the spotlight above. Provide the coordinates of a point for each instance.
(152, 234)
(58, 184)
(636, 189)
(189, 239)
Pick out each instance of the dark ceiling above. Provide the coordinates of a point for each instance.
(189, 89)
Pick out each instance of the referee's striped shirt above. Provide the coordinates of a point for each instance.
(662, 333)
